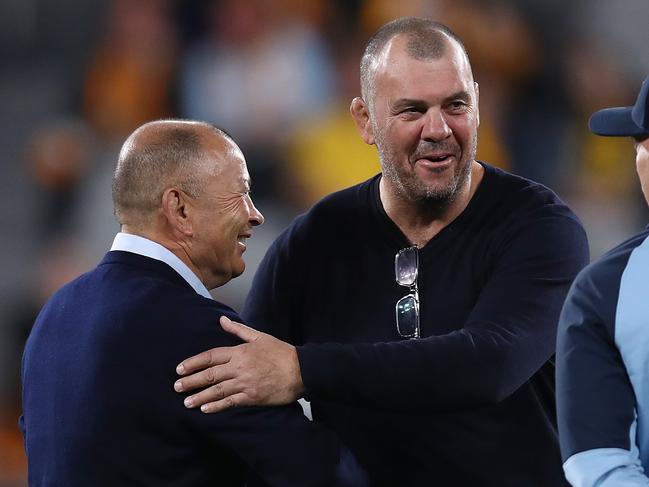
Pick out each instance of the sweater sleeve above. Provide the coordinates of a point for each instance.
(509, 334)
(595, 399)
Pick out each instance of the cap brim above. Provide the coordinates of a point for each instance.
(615, 122)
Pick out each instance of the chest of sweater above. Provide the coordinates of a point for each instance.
(349, 294)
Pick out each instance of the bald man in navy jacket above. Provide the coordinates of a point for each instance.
(98, 405)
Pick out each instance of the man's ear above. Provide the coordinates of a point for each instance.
(176, 210)
(361, 115)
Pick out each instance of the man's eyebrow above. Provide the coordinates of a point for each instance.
(462, 95)
(408, 102)
(413, 102)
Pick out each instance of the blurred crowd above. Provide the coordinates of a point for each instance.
(77, 77)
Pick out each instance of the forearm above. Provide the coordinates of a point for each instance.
(461, 370)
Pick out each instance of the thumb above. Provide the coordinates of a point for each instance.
(244, 332)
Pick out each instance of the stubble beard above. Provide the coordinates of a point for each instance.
(412, 189)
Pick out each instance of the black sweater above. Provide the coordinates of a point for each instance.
(472, 402)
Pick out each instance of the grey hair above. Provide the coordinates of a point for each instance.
(172, 155)
(427, 39)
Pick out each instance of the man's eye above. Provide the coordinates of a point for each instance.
(408, 110)
(457, 105)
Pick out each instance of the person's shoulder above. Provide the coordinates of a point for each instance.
(338, 208)
(515, 198)
(180, 318)
(340, 204)
(596, 289)
(610, 266)
(211, 307)
(153, 294)
(346, 196)
(70, 290)
(197, 306)
(516, 201)
(514, 186)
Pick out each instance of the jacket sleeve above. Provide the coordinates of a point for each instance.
(279, 444)
(509, 335)
(595, 400)
(282, 447)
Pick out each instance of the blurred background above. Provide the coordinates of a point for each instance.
(76, 77)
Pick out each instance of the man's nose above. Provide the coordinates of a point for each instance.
(256, 218)
(435, 125)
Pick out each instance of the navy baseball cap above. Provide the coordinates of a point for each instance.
(624, 121)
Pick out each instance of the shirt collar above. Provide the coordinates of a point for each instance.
(148, 248)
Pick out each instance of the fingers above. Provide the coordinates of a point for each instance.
(217, 392)
(210, 376)
(236, 400)
(244, 332)
(203, 360)
(218, 398)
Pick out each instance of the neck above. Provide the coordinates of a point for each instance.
(178, 247)
(420, 222)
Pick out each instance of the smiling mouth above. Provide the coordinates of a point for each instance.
(435, 160)
(241, 239)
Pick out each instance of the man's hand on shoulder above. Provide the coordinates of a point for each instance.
(264, 371)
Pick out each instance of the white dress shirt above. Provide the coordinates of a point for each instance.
(143, 246)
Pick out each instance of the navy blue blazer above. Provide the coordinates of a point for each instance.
(99, 407)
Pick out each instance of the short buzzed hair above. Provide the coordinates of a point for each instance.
(173, 154)
(427, 39)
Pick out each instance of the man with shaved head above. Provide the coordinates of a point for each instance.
(99, 409)
(441, 279)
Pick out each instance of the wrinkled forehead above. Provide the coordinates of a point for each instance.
(230, 163)
(233, 153)
(224, 151)
(402, 50)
